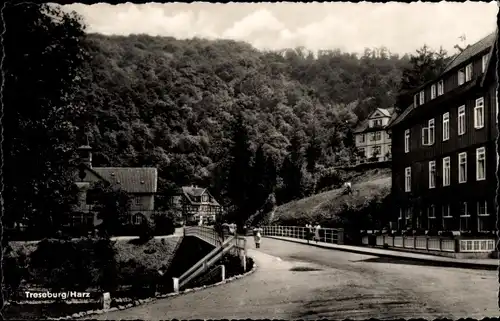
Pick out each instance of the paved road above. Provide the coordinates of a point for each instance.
(298, 281)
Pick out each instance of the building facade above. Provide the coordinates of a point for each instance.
(372, 137)
(139, 182)
(444, 148)
(196, 204)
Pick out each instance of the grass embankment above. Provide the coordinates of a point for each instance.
(154, 254)
(325, 207)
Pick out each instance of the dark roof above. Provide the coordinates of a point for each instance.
(130, 179)
(410, 111)
(468, 53)
(194, 191)
(471, 51)
(363, 126)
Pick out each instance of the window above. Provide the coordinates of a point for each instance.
(482, 216)
(362, 138)
(407, 141)
(464, 217)
(376, 151)
(407, 179)
(362, 152)
(432, 174)
(479, 113)
(484, 62)
(433, 91)
(447, 218)
(446, 171)
(462, 167)
(428, 133)
(431, 216)
(421, 97)
(446, 126)
(480, 164)
(408, 215)
(461, 76)
(378, 122)
(137, 219)
(461, 120)
(440, 88)
(375, 136)
(137, 201)
(468, 72)
(431, 131)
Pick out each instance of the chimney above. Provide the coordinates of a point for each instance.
(85, 155)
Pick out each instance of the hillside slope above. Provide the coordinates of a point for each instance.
(168, 103)
(325, 208)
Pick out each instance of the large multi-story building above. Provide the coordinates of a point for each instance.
(372, 138)
(444, 147)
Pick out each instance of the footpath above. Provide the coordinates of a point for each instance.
(483, 264)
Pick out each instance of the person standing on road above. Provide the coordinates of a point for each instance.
(257, 236)
(309, 234)
(317, 227)
(232, 229)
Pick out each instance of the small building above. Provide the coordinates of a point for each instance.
(372, 138)
(139, 182)
(196, 204)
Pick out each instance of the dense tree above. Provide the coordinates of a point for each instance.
(425, 66)
(293, 169)
(239, 180)
(42, 77)
(111, 204)
(313, 151)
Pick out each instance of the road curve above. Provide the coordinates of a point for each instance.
(296, 281)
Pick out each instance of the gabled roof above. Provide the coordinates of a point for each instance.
(193, 191)
(130, 179)
(471, 51)
(387, 112)
(363, 126)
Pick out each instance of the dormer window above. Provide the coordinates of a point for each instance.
(440, 87)
(484, 62)
(433, 91)
(422, 97)
(461, 76)
(468, 72)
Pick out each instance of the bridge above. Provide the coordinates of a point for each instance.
(297, 280)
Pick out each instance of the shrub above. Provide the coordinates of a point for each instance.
(14, 269)
(142, 280)
(76, 265)
(164, 224)
(146, 230)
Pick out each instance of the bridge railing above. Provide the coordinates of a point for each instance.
(233, 244)
(327, 235)
(205, 233)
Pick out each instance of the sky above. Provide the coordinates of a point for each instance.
(351, 27)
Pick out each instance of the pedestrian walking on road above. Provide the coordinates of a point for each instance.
(317, 227)
(257, 236)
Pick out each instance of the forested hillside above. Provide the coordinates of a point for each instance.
(257, 128)
(170, 103)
